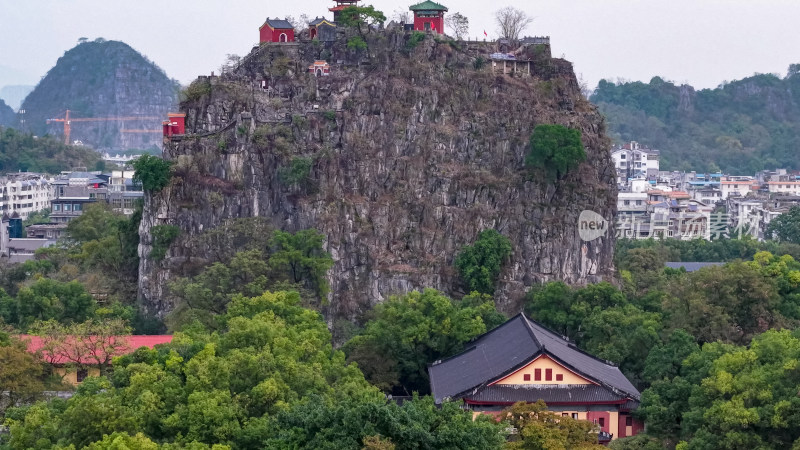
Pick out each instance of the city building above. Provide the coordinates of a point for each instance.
(522, 361)
(15, 247)
(24, 193)
(632, 161)
(663, 213)
(738, 186)
(785, 186)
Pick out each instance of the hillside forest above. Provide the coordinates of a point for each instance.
(740, 127)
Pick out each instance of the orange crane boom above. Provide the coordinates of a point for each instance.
(67, 121)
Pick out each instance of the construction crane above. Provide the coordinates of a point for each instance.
(67, 120)
(140, 131)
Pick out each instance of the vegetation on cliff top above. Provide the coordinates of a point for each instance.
(742, 126)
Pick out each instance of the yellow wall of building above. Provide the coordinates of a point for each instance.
(614, 424)
(70, 374)
(543, 363)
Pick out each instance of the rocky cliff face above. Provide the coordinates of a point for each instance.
(413, 152)
(103, 79)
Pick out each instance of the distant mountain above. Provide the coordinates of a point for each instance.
(101, 80)
(7, 116)
(740, 127)
(14, 95)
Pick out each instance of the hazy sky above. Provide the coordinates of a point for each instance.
(702, 42)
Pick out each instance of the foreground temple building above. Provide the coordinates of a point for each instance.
(522, 361)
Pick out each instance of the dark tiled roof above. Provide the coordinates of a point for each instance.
(318, 21)
(509, 347)
(554, 393)
(487, 358)
(630, 405)
(692, 266)
(428, 6)
(279, 24)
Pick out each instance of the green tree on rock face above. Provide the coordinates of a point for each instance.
(302, 258)
(152, 171)
(409, 332)
(786, 227)
(479, 264)
(556, 149)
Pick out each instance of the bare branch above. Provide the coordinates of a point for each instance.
(458, 25)
(511, 22)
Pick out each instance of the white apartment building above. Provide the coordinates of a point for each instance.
(632, 160)
(24, 193)
(784, 187)
(632, 202)
(740, 186)
(120, 179)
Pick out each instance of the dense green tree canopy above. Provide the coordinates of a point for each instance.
(542, 429)
(409, 332)
(269, 379)
(786, 227)
(47, 299)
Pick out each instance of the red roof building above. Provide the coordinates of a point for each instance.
(80, 356)
(174, 125)
(429, 16)
(276, 30)
(340, 5)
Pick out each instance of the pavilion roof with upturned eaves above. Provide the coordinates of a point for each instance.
(428, 6)
(342, 4)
